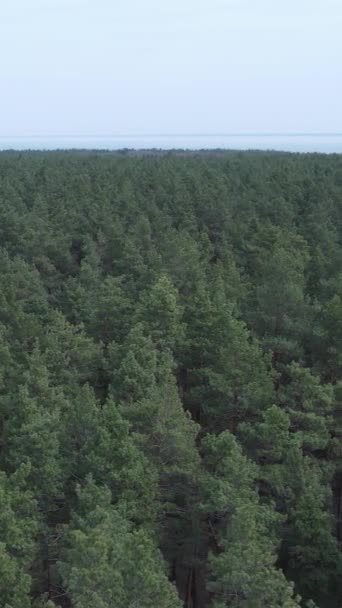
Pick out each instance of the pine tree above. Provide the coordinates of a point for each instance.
(18, 531)
(242, 570)
(160, 312)
(107, 562)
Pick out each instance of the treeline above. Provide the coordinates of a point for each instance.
(170, 380)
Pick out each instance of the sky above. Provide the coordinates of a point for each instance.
(105, 67)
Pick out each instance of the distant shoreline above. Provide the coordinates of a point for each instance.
(296, 142)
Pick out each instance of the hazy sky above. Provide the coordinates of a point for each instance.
(170, 66)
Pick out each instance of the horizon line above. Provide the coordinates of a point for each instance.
(128, 135)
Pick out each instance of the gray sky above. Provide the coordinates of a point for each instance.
(170, 66)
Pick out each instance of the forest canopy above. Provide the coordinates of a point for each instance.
(170, 380)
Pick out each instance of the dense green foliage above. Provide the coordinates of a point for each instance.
(170, 380)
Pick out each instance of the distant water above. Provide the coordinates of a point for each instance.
(327, 143)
